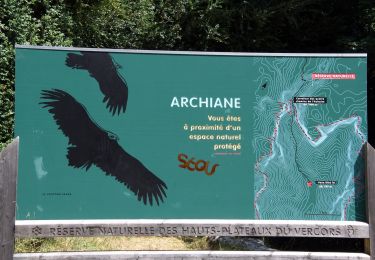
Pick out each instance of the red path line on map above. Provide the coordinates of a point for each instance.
(346, 207)
(275, 131)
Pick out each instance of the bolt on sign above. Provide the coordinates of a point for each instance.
(129, 134)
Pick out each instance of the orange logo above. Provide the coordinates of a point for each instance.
(199, 165)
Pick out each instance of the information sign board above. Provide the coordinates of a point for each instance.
(127, 134)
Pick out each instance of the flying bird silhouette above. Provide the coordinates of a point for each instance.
(89, 144)
(102, 67)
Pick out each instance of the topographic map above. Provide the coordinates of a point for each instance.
(310, 125)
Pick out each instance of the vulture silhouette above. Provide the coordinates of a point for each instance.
(103, 69)
(89, 144)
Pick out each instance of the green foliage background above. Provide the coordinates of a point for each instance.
(205, 25)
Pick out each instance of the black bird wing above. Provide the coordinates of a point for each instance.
(71, 117)
(101, 67)
(132, 173)
(76, 124)
(91, 145)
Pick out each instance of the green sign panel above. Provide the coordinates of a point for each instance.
(116, 134)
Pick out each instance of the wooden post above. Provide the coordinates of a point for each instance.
(370, 243)
(8, 179)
